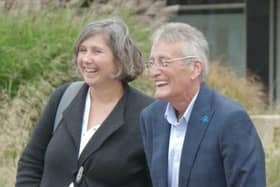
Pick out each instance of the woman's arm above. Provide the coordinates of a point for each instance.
(31, 162)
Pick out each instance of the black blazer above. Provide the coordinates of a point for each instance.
(114, 157)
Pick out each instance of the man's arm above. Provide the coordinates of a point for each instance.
(242, 152)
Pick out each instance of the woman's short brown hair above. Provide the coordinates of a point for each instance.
(116, 35)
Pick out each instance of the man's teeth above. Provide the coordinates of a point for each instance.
(158, 83)
(90, 70)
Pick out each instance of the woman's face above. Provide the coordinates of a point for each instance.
(96, 61)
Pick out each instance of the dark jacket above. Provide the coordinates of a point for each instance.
(114, 157)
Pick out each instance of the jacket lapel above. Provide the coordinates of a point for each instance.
(160, 154)
(73, 116)
(199, 121)
(113, 122)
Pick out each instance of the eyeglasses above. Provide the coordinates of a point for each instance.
(164, 62)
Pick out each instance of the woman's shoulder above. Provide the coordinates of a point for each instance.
(58, 93)
(60, 90)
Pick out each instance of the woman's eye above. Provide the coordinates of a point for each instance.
(97, 51)
(82, 50)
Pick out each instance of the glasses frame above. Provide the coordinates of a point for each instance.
(165, 62)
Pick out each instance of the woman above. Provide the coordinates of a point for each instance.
(98, 141)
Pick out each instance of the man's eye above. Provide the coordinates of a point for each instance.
(163, 61)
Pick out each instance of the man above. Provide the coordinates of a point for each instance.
(193, 136)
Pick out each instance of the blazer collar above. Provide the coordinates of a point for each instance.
(73, 116)
(199, 121)
(161, 143)
(111, 124)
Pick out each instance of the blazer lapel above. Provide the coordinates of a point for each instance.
(73, 116)
(199, 121)
(161, 133)
(113, 122)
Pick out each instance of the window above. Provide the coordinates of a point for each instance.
(224, 26)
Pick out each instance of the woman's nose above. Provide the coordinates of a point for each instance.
(87, 57)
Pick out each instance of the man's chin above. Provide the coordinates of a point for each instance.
(161, 96)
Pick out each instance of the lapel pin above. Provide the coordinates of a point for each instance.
(204, 120)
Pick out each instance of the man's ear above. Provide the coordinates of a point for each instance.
(197, 69)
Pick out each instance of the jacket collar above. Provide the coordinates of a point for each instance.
(159, 167)
(73, 116)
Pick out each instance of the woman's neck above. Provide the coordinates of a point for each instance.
(103, 101)
(107, 93)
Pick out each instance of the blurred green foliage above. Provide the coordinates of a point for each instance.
(31, 45)
(35, 45)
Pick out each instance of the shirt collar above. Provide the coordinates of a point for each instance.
(170, 114)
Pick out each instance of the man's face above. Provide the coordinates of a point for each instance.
(172, 82)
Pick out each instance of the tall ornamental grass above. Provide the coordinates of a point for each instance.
(34, 45)
(273, 165)
(246, 90)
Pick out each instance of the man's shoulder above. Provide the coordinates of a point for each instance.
(227, 108)
(227, 104)
(212, 99)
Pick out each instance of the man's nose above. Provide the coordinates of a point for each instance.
(154, 71)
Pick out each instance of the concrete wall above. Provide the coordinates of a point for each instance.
(268, 127)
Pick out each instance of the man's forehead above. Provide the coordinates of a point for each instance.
(162, 48)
